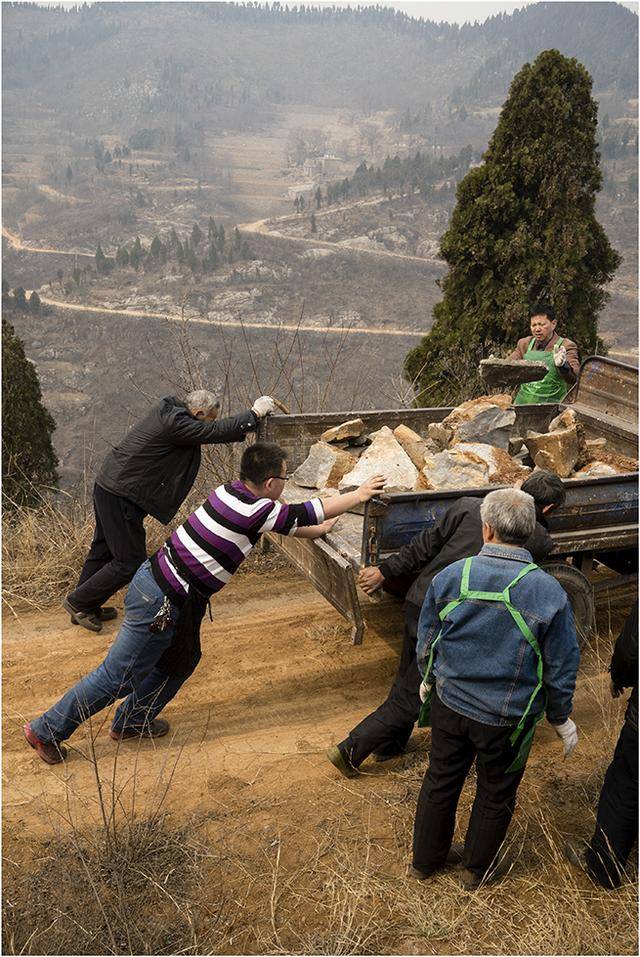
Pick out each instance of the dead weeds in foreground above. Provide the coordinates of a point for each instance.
(117, 877)
(357, 896)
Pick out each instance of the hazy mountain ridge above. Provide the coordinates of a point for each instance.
(373, 57)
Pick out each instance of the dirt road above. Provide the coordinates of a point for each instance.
(307, 861)
(337, 330)
(264, 227)
(14, 240)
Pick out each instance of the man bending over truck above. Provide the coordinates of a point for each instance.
(158, 645)
(457, 534)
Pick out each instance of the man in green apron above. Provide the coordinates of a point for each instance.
(498, 650)
(559, 354)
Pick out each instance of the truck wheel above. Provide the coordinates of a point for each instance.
(580, 593)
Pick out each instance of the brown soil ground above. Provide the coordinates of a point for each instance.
(305, 860)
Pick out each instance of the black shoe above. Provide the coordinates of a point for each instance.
(152, 729)
(86, 619)
(454, 857)
(574, 851)
(340, 761)
(106, 613)
(386, 754)
(470, 881)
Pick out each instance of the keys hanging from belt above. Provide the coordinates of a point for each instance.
(163, 617)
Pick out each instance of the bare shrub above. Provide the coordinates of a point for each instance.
(42, 552)
(90, 896)
(113, 879)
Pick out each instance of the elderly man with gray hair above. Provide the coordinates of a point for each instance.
(497, 647)
(149, 473)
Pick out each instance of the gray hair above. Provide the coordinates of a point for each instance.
(202, 401)
(511, 514)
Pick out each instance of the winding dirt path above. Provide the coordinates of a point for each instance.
(261, 227)
(15, 241)
(172, 317)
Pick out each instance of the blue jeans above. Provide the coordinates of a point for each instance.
(129, 669)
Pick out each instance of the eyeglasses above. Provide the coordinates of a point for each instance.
(283, 478)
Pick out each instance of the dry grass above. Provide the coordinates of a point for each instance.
(117, 876)
(358, 898)
(42, 552)
(85, 896)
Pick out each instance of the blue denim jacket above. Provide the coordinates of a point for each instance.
(484, 668)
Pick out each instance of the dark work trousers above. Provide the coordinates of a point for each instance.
(455, 742)
(117, 550)
(388, 729)
(617, 820)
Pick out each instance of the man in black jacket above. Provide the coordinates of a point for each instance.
(457, 534)
(605, 856)
(149, 473)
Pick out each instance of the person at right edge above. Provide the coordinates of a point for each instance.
(498, 650)
(616, 831)
(456, 534)
(559, 354)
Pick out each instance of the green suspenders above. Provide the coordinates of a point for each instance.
(505, 598)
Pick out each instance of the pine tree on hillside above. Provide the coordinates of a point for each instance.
(19, 298)
(101, 260)
(28, 459)
(122, 256)
(523, 229)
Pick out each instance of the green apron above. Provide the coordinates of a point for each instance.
(505, 598)
(552, 388)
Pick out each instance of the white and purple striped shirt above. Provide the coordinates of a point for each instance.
(207, 549)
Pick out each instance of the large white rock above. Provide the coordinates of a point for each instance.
(470, 465)
(595, 470)
(385, 456)
(324, 466)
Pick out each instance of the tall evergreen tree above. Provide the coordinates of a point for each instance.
(524, 228)
(19, 298)
(28, 459)
(156, 247)
(122, 256)
(101, 259)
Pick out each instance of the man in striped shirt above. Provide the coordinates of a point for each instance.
(157, 646)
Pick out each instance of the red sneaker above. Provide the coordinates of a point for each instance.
(49, 751)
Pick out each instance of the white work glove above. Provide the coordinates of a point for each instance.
(425, 689)
(263, 406)
(568, 733)
(559, 355)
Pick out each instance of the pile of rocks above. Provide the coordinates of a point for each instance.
(466, 450)
(472, 447)
(565, 450)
